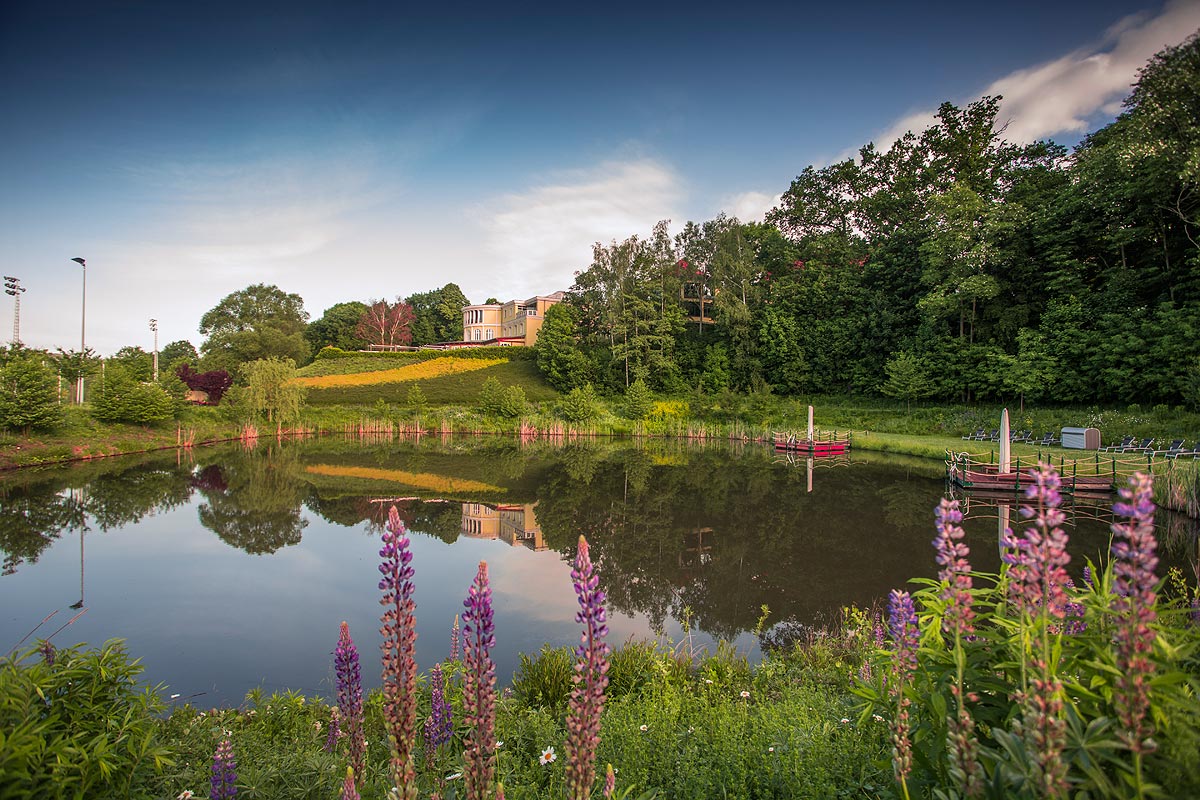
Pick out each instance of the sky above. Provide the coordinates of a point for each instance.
(360, 150)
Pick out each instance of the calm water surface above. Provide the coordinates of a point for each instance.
(226, 569)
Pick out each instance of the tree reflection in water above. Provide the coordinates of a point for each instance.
(712, 533)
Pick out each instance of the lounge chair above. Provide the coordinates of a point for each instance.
(1173, 447)
(994, 435)
(978, 434)
(1146, 446)
(1020, 436)
(1047, 439)
(1192, 452)
(1126, 442)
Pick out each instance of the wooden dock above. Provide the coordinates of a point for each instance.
(1099, 474)
(819, 445)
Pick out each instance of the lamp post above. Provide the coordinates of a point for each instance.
(12, 286)
(82, 328)
(154, 327)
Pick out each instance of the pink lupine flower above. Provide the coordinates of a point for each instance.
(479, 688)
(399, 633)
(1134, 564)
(590, 678)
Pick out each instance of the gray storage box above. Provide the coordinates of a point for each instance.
(1081, 438)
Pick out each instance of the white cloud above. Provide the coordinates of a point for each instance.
(1065, 95)
(750, 206)
(537, 239)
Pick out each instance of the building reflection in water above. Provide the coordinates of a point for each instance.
(512, 524)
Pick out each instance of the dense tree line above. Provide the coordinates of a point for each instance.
(952, 264)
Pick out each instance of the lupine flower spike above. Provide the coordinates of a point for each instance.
(224, 773)
(349, 791)
(479, 688)
(958, 621)
(610, 783)
(454, 640)
(1038, 581)
(590, 678)
(902, 622)
(335, 729)
(349, 692)
(1134, 564)
(399, 664)
(438, 725)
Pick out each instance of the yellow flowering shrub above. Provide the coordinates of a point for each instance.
(420, 480)
(423, 370)
(668, 409)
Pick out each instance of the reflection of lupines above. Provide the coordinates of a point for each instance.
(454, 640)
(590, 678)
(1134, 563)
(349, 694)
(349, 790)
(224, 773)
(479, 688)
(438, 725)
(399, 664)
(902, 622)
(958, 620)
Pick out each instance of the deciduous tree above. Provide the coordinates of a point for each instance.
(257, 322)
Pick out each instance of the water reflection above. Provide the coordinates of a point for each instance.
(710, 533)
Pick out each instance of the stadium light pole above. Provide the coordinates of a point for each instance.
(154, 327)
(82, 329)
(13, 287)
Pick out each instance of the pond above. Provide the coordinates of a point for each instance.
(229, 568)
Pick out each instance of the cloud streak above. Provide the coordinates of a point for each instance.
(1067, 94)
(538, 238)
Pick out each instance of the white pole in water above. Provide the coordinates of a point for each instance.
(810, 425)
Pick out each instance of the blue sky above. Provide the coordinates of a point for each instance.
(363, 150)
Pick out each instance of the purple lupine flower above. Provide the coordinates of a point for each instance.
(479, 688)
(399, 633)
(902, 622)
(438, 725)
(335, 729)
(1037, 573)
(1195, 614)
(224, 773)
(349, 696)
(1087, 576)
(48, 652)
(454, 640)
(958, 619)
(1134, 563)
(349, 790)
(955, 570)
(1037, 587)
(590, 678)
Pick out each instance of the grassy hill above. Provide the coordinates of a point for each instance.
(445, 378)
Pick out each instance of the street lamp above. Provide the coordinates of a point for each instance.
(12, 286)
(154, 327)
(82, 327)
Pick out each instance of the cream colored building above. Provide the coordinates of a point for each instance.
(481, 323)
(516, 322)
(515, 525)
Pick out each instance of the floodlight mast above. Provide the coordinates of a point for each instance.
(13, 287)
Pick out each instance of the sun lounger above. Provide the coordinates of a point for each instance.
(1146, 446)
(1173, 447)
(1126, 442)
(1192, 452)
(978, 434)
